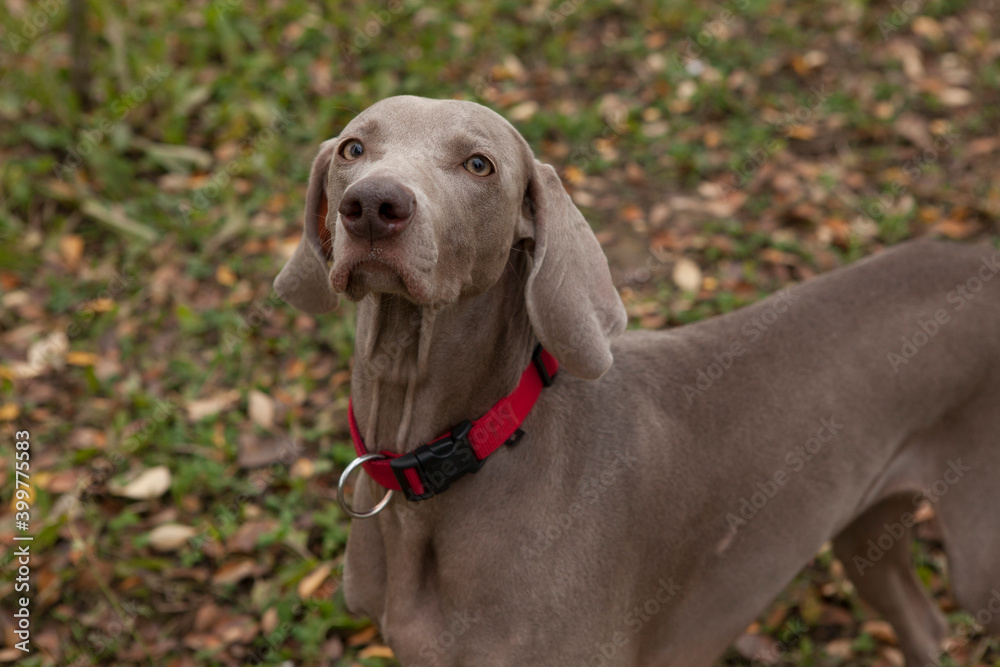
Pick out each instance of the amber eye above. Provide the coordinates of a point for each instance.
(478, 165)
(352, 150)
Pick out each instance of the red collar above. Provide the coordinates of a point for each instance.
(431, 468)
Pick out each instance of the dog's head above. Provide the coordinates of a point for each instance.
(426, 198)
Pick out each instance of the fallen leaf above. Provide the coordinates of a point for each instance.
(802, 132)
(9, 412)
(170, 536)
(523, 111)
(686, 275)
(269, 621)
(956, 229)
(955, 97)
(363, 636)
(247, 536)
(78, 358)
(377, 651)
(206, 407)
(880, 630)
(927, 27)
(312, 581)
(151, 483)
(303, 468)
(237, 630)
(230, 573)
(225, 276)
(261, 409)
(840, 648)
(71, 249)
(254, 451)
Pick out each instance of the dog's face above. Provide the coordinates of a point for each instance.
(424, 198)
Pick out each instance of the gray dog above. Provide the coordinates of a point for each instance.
(651, 502)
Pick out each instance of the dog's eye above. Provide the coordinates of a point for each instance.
(479, 165)
(352, 150)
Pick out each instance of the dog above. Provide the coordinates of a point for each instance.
(650, 492)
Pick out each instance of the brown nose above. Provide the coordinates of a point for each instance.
(377, 208)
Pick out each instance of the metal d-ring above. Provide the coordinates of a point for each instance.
(343, 479)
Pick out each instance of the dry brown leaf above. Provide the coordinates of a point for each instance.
(925, 26)
(913, 128)
(880, 630)
(686, 275)
(79, 358)
(956, 229)
(377, 651)
(523, 111)
(840, 648)
(894, 657)
(232, 572)
(71, 250)
(206, 407)
(63, 481)
(148, 484)
(260, 406)
(269, 621)
(363, 636)
(955, 97)
(225, 276)
(303, 468)
(309, 583)
(237, 630)
(246, 537)
(803, 132)
(170, 536)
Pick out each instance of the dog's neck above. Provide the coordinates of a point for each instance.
(418, 372)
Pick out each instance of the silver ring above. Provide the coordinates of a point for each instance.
(343, 479)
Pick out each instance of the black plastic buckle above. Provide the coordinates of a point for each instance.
(438, 464)
(543, 372)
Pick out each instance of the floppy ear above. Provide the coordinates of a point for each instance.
(304, 282)
(573, 306)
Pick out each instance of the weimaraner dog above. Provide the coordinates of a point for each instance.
(646, 503)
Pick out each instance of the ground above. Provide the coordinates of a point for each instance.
(187, 428)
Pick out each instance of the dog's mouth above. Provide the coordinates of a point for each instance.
(378, 272)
